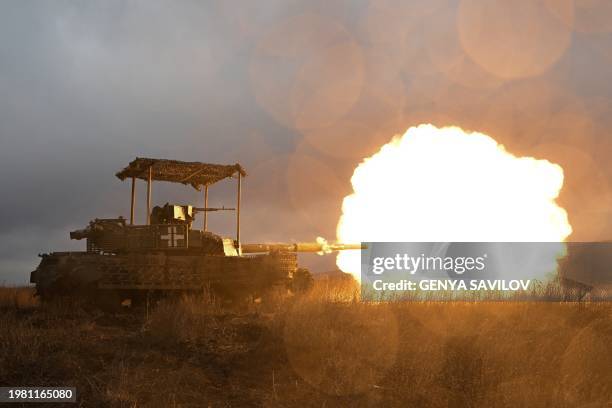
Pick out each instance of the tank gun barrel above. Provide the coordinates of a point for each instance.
(210, 209)
(298, 247)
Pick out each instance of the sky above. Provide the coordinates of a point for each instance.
(298, 92)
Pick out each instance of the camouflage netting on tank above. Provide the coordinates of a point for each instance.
(194, 173)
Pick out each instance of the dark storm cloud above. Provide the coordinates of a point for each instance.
(87, 86)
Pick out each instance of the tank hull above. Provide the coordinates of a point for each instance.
(71, 273)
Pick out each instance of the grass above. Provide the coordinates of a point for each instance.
(17, 298)
(325, 348)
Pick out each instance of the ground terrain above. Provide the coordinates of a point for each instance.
(322, 349)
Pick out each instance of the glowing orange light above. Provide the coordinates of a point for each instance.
(448, 185)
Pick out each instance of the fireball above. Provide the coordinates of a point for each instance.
(448, 185)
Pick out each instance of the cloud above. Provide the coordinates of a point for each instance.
(86, 87)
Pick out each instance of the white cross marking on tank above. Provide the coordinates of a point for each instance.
(172, 237)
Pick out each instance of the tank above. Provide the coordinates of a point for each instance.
(168, 255)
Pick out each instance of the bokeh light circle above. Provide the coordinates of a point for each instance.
(341, 349)
(513, 39)
(307, 71)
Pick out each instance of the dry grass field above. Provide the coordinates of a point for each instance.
(322, 349)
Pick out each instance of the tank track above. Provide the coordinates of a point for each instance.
(76, 273)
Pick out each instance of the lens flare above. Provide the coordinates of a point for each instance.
(448, 185)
